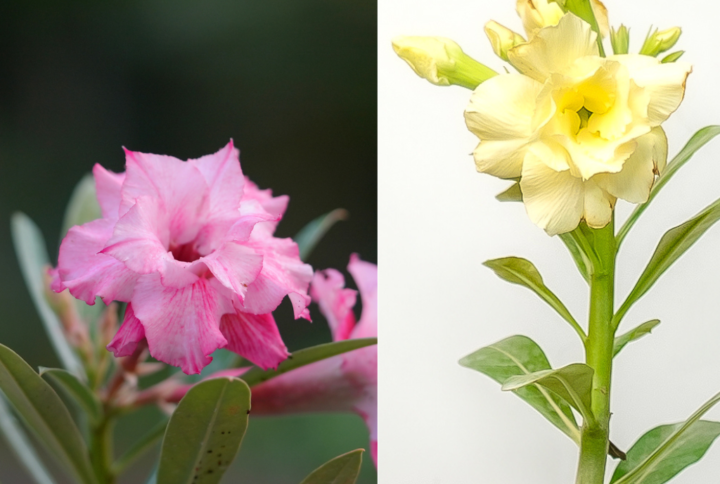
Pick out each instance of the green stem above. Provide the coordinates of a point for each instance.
(598, 355)
(101, 450)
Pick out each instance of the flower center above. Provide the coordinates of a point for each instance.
(185, 253)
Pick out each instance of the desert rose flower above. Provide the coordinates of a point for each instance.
(579, 130)
(346, 382)
(190, 247)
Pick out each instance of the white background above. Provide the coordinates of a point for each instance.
(442, 423)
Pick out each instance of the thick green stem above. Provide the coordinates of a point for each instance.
(598, 355)
(101, 450)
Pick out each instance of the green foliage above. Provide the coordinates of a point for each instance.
(145, 443)
(666, 450)
(306, 356)
(521, 271)
(74, 389)
(33, 260)
(572, 383)
(571, 241)
(635, 333)
(343, 469)
(44, 413)
(512, 194)
(519, 355)
(310, 235)
(205, 432)
(83, 206)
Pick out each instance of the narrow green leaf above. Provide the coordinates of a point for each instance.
(572, 383)
(310, 235)
(522, 272)
(306, 356)
(512, 194)
(76, 390)
(343, 469)
(698, 140)
(139, 448)
(205, 432)
(33, 259)
(83, 206)
(519, 355)
(21, 446)
(635, 333)
(664, 451)
(581, 261)
(44, 413)
(672, 245)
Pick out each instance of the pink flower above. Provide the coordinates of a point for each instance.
(346, 382)
(190, 246)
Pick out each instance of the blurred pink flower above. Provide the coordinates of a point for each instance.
(346, 382)
(190, 246)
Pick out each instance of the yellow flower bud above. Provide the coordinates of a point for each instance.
(536, 14)
(659, 42)
(441, 61)
(502, 38)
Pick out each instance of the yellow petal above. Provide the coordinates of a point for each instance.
(554, 49)
(635, 180)
(536, 14)
(502, 38)
(601, 16)
(598, 205)
(553, 199)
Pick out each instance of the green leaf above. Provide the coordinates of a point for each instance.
(343, 469)
(306, 356)
(519, 355)
(512, 194)
(671, 246)
(21, 446)
(310, 235)
(33, 259)
(581, 261)
(205, 432)
(635, 333)
(698, 140)
(75, 390)
(83, 206)
(572, 383)
(521, 271)
(44, 413)
(664, 451)
(139, 448)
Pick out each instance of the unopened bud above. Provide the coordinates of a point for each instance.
(441, 61)
(659, 42)
(620, 40)
(502, 38)
(536, 14)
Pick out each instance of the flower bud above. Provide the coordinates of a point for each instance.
(620, 40)
(502, 38)
(441, 61)
(659, 42)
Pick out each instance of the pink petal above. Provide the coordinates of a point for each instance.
(368, 411)
(336, 303)
(223, 176)
(130, 334)
(273, 205)
(181, 325)
(255, 337)
(56, 283)
(283, 273)
(88, 273)
(235, 266)
(178, 187)
(365, 275)
(235, 226)
(140, 238)
(107, 188)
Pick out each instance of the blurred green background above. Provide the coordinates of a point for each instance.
(293, 82)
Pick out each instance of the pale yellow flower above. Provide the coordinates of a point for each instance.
(578, 129)
(537, 14)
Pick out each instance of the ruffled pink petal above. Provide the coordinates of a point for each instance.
(88, 273)
(181, 325)
(56, 283)
(130, 334)
(235, 266)
(273, 205)
(365, 276)
(234, 226)
(140, 237)
(223, 176)
(336, 303)
(283, 273)
(178, 187)
(107, 189)
(254, 337)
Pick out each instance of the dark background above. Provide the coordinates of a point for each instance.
(293, 82)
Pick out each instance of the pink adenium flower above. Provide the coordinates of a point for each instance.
(190, 247)
(346, 382)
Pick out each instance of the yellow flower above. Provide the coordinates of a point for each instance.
(578, 129)
(537, 14)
